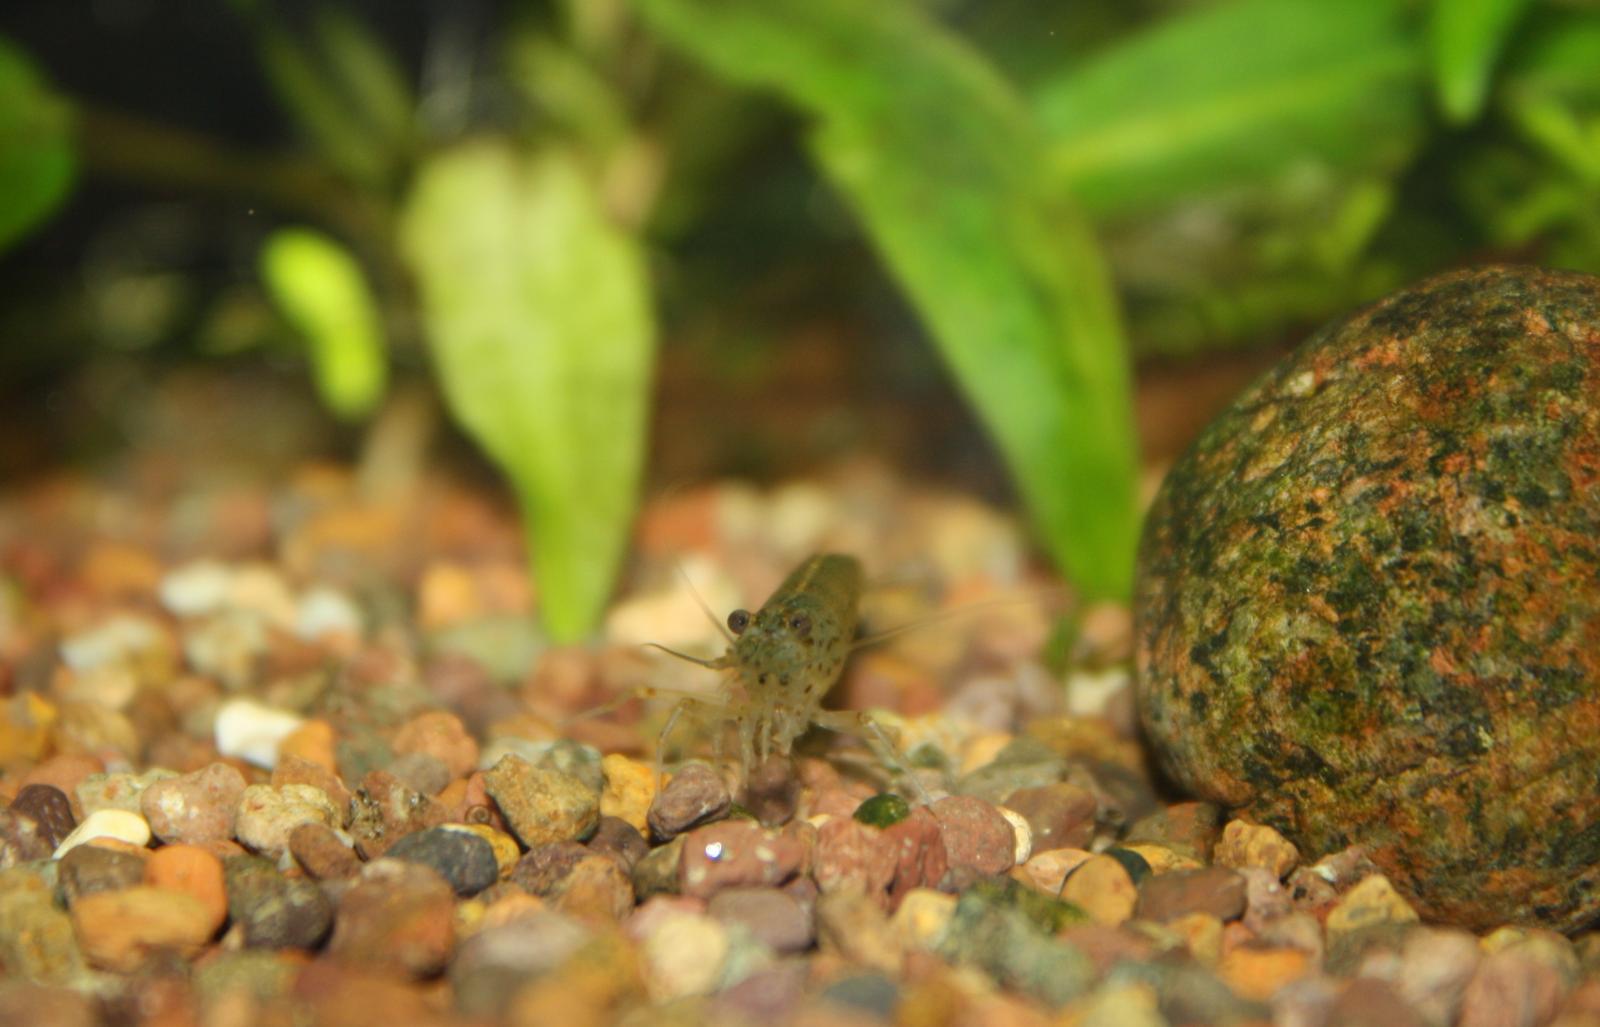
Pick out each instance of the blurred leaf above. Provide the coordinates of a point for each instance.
(322, 108)
(1236, 93)
(938, 158)
(1552, 91)
(321, 291)
(538, 313)
(1465, 38)
(566, 88)
(37, 163)
(370, 78)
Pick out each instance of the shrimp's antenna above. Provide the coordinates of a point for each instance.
(700, 601)
(1031, 596)
(716, 664)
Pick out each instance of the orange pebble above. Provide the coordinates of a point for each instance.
(312, 741)
(191, 870)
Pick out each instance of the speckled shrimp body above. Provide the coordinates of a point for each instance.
(790, 652)
(786, 656)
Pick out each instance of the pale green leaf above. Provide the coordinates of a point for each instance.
(1465, 39)
(1238, 92)
(939, 159)
(37, 161)
(538, 314)
(320, 289)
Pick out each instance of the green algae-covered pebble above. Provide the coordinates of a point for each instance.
(1368, 607)
(883, 810)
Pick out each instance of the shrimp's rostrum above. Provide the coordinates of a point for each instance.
(786, 656)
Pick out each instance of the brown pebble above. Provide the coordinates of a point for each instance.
(1255, 845)
(738, 852)
(90, 869)
(120, 930)
(619, 840)
(772, 790)
(383, 810)
(1215, 890)
(1369, 1002)
(65, 771)
(21, 840)
(977, 838)
(694, 796)
(773, 917)
(192, 871)
(442, 735)
(1061, 815)
(398, 917)
(1510, 989)
(883, 863)
(198, 807)
(297, 770)
(542, 868)
(595, 889)
(49, 808)
(321, 853)
(1189, 828)
(312, 741)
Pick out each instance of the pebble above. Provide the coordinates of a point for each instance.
(977, 838)
(297, 770)
(421, 773)
(37, 942)
(621, 840)
(1188, 828)
(885, 864)
(1102, 888)
(1215, 890)
(542, 805)
(21, 840)
(49, 808)
(116, 791)
(630, 788)
(1366, 1002)
(196, 808)
(196, 588)
(1259, 972)
(120, 930)
(542, 868)
(315, 742)
(465, 860)
(493, 964)
(693, 796)
(988, 932)
(440, 734)
(683, 955)
(1047, 871)
(323, 852)
(192, 871)
(398, 918)
(874, 994)
(117, 824)
(658, 871)
(1511, 989)
(90, 869)
(272, 911)
(853, 925)
(596, 888)
(1373, 901)
(1023, 763)
(1023, 835)
(267, 815)
(734, 853)
(252, 732)
(772, 791)
(1255, 845)
(922, 918)
(1060, 815)
(775, 918)
(1201, 934)
(1435, 966)
(325, 611)
(383, 810)
(121, 639)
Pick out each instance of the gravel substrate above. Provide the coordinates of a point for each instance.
(305, 758)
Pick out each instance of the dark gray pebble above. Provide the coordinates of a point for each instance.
(274, 911)
(464, 859)
(88, 869)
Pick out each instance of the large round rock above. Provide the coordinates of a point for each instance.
(1369, 597)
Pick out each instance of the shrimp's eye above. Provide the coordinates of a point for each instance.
(800, 624)
(738, 620)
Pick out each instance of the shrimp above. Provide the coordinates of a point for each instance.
(786, 656)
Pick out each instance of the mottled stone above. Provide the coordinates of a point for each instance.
(21, 840)
(267, 815)
(398, 918)
(735, 853)
(543, 805)
(774, 917)
(1255, 845)
(1061, 816)
(195, 808)
(89, 869)
(49, 808)
(384, 810)
(694, 796)
(322, 853)
(461, 857)
(1368, 597)
(886, 863)
(620, 840)
(976, 837)
(273, 911)
(1214, 890)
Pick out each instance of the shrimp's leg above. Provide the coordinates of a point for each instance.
(685, 699)
(863, 726)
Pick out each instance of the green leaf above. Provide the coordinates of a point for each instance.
(1465, 38)
(321, 291)
(367, 74)
(1236, 93)
(538, 314)
(37, 161)
(938, 158)
(323, 109)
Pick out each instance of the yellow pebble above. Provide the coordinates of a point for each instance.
(630, 787)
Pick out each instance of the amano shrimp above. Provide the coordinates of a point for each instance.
(786, 656)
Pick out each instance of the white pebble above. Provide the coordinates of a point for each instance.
(253, 732)
(1088, 694)
(1024, 834)
(112, 642)
(326, 611)
(107, 823)
(196, 588)
(684, 956)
